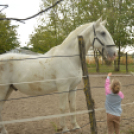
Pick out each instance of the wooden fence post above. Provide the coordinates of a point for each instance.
(126, 64)
(87, 91)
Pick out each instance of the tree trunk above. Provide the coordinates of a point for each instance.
(115, 65)
(119, 58)
(120, 4)
(97, 62)
(126, 64)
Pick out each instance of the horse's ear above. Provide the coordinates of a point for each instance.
(104, 22)
(97, 23)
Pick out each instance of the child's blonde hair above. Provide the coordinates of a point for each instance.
(115, 86)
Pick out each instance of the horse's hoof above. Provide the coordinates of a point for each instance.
(59, 129)
(77, 131)
(67, 131)
(61, 132)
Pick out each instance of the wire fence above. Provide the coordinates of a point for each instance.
(103, 127)
(61, 115)
(93, 87)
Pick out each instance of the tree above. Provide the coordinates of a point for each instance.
(120, 22)
(8, 35)
(42, 40)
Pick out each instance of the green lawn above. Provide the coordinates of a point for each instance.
(106, 69)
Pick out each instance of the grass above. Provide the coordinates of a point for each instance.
(106, 69)
(54, 126)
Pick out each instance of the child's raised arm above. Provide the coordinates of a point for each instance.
(107, 83)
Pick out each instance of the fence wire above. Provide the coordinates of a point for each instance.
(60, 115)
(32, 57)
(93, 87)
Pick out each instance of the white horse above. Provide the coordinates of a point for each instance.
(58, 73)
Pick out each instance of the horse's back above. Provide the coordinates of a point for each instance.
(29, 74)
(13, 63)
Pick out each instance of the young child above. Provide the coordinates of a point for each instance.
(113, 104)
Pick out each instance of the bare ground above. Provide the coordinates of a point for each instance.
(48, 105)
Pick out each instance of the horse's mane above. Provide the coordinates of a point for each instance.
(73, 35)
(51, 51)
(81, 28)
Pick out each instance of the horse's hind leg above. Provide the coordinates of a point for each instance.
(5, 91)
(63, 108)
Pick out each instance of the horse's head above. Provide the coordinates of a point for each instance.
(102, 41)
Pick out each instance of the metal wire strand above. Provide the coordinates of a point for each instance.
(58, 56)
(93, 87)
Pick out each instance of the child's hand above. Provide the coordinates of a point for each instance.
(109, 74)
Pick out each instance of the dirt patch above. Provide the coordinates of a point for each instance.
(48, 105)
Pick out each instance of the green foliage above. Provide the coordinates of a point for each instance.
(42, 40)
(26, 48)
(8, 39)
(120, 24)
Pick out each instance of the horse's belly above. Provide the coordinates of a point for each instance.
(37, 88)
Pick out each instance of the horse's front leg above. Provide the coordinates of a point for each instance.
(72, 104)
(4, 94)
(63, 108)
(2, 127)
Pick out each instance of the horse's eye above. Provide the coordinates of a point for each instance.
(103, 33)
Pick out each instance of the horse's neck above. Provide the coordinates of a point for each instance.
(87, 37)
(70, 44)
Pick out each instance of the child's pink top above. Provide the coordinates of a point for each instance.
(113, 101)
